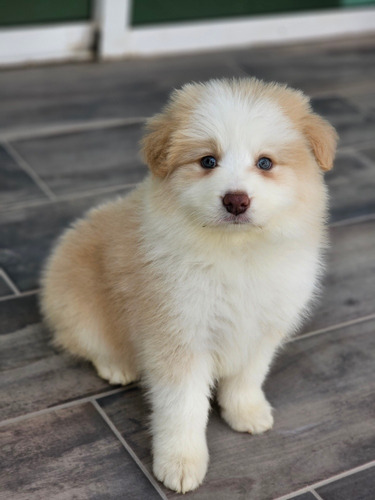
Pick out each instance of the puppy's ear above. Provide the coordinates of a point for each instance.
(155, 144)
(322, 138)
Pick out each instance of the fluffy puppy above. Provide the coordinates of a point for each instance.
(196, 277)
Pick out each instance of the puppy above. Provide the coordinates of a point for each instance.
(195, 278)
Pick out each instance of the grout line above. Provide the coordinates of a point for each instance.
(76, 402)
(355, 148)
(19, 295)
(316, 494)
(362, 156)
(345, 150)
(28, 170)
(342, 475)
(8, 297)
(68, 128)
(353, 220)
(70, 197)
(9, 282)
(336, 326)
(331, 479)
(128, 448)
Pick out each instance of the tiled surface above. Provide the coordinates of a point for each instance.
(5, 289)
(365, 100)
(352, 184)
(88, 160)
(66, 454)
(40, 375)
(360, 485)
(18, 312)
(75, 93)
(323, 392)
(369, 153)
(27, 234)
(349, 285)
(60, 122)
(329, 71)
(352, 124)
(15, 184)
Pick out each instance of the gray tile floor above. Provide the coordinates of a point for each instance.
(68, 140)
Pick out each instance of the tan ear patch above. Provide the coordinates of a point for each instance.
(322, 138)
(155, 144)
(162, 128)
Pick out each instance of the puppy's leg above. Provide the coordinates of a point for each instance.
(244, 405)
(180, 411)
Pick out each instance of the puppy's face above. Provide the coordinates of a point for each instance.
(241, 154)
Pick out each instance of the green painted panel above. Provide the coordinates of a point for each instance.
(166, 11)
(29, 12)
(357, 3)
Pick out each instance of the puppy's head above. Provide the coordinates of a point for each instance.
(241, 153)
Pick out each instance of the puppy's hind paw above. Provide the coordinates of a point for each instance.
(115, 375)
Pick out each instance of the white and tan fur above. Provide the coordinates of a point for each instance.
(162, 285)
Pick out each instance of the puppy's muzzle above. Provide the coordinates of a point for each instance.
(236, 203)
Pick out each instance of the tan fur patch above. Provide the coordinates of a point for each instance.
(157, 144)
(321, 136)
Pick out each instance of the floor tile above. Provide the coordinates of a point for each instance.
(130, 413)
(353, 125)
(314, 69)
(27, 235)
(39, 97)
(355, 132)
(71, 93)
(88, 160)
(68, 454)
(5, 288)
(369, 152)
(359, 486)
(34, 375)
(18, 312)
(351, 186)
(335, 108)
(348, 287)
(15, 184)
(322, 389)
(364, 99)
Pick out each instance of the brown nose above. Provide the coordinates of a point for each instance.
(236, 203)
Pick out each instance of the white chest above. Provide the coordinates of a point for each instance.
(225, 304)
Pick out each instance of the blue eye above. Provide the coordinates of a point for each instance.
(208, 162)
(264, 163)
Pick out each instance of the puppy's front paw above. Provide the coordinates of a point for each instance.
(181, 473)
(255, 417)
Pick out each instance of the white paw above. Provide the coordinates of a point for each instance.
(254, 418)
(115, 375)
(181, 473)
